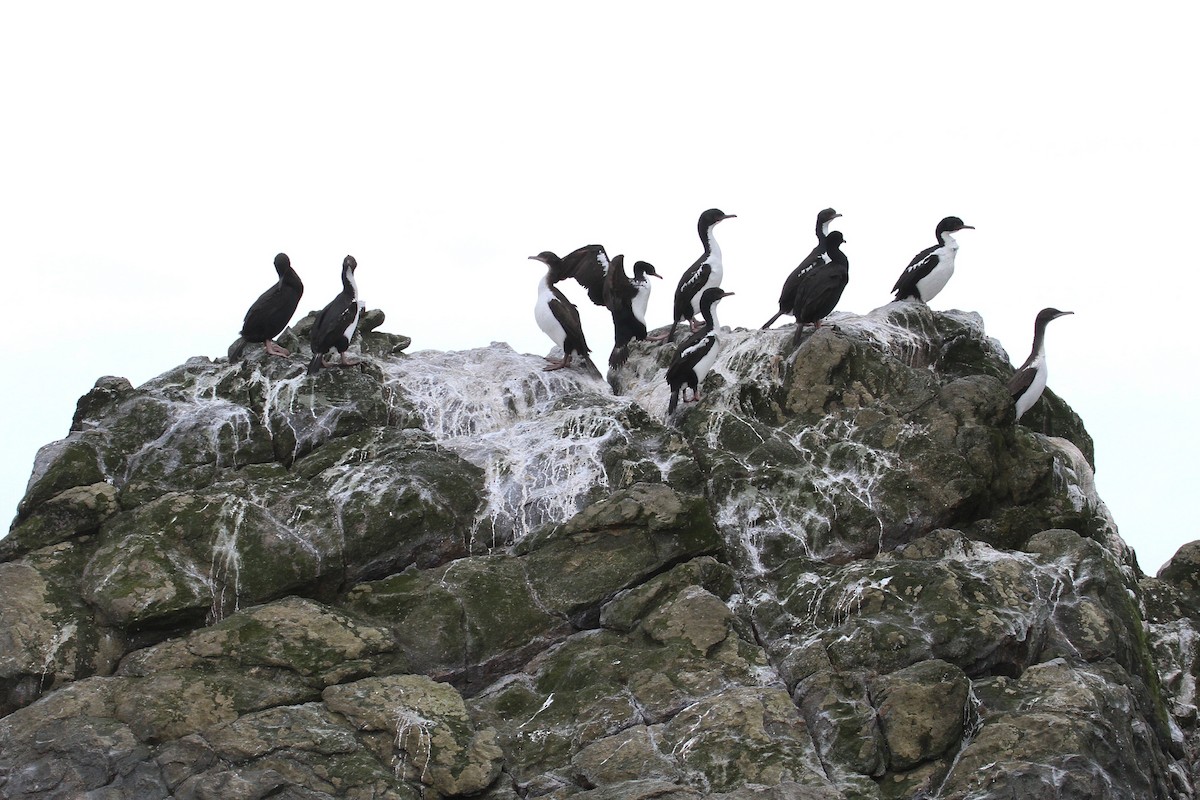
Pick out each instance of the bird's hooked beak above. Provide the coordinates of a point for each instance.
(727, 216)
(1064, 313)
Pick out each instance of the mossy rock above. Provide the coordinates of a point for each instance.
(613, 545)
(842, 721)
(467, 621)
(985, 617)
(321, 645)
(173, 704)
(922, 711)
(409, 502)
(63, 465)
(187, 557)
(78, 510)
(439, 745)
(627, 610)
(1035, 727)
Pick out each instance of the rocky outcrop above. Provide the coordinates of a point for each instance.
(846, 573)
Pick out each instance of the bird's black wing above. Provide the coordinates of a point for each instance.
(618, 289)
(921, 265)
(819, 293)
(256, 325)
(679, 364)
(690, 282)
(1021, 381)
(588, 265)
(331, 323)
(619, 293)
(271, 312)
(567, 315)
(787, 296)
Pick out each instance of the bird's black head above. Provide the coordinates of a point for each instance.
(712, 296)
(835, 239)
(642, 268)
(950, 225)
(546, 257)
(348, 263)
(557, 268)
(282, 261)
(1046, 314)
(827, 215)
(710, 218)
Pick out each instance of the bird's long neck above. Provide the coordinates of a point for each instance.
(288, 277)
(1038, 351)
(710, 316)
(349, 284)
(556, 270)
(948, 240)
(823, 229)
(712, 250)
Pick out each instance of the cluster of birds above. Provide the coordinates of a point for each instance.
(332, 330)
(810, 293)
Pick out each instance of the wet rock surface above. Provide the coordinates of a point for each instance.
(845, 573)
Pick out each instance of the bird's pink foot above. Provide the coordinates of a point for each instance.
(274, 349)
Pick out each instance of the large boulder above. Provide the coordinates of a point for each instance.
(846, 572)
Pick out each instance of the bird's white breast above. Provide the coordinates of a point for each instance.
(641, 300)
(1031, 395)
(358, 307)
(939, 276)
(545, 317)
(716, 273)
(713, 342)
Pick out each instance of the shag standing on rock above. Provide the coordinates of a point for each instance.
(705, 274)
(271, 312)
(556, 315)
(1027, 384)
(930, 269)
(627, 300)
(335, 325)
(695, 356)
(819, 290)
(588, 265)
(787, 297)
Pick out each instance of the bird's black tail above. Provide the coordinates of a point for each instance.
(235, 349)
(317, 362)
(618, 356)
(771, 321)
(674, 401)
(590, 368)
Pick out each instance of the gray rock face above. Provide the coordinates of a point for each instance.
(845, 573)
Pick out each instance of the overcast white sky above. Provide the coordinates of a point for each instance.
(156, 156)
